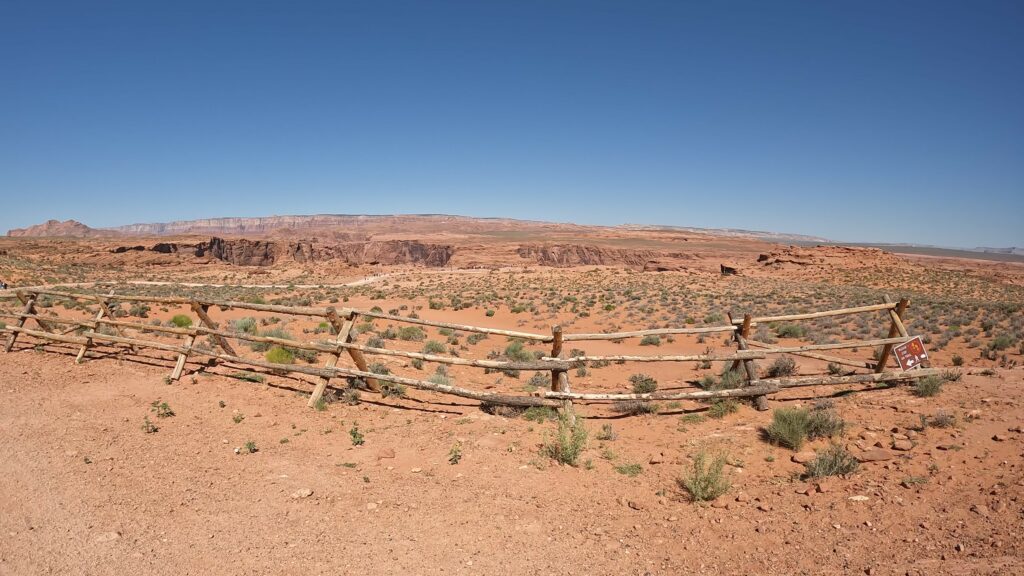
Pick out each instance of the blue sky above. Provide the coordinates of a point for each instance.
(859, 121)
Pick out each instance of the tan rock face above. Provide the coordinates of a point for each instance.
(568, 255)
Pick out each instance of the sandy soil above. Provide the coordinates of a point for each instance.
(86, 491)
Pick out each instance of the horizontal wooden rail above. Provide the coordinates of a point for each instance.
(741, 355)
(53, 319)
(490, 397)
(460, 327)
(836, 346)
(824, 314)
(46, 335)
(559, 394)
(825, 357)
(798, 381)
(642, 333)
(699, 395)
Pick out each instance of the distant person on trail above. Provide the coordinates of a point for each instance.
(3, 285)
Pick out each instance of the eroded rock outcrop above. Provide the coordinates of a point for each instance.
(244, 252)
(239, 252)
(567, 255)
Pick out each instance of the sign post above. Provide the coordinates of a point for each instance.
(910, 354)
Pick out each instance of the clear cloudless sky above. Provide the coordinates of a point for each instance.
(887, 121)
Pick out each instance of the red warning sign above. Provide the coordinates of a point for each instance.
(911, 353)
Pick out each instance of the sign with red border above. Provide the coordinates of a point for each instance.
(911, 353)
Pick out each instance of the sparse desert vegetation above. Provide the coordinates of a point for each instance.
(639, 461)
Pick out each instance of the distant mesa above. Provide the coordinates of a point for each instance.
(58, 229)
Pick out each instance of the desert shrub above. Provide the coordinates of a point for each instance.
(489, 313)
(832, 461)
(440, 379)
(650, 340)
(706, 481)
(181, 321)
(416, 363)
(783, 366)
(412, 333)
(272, 333)
(434, 347)
(516, 352)
(357, 437)
(722, 408)
(789, 427)
(308, 356)
(161, 409)
(379, 368)
(958, 360)
(631, 470)
(714, 318)
(835, 369)
(279, 355)
(1001, 342)
(928, 386)
(392, 389)
(568, 443)
(540, 414)
(790, 331)
(607, 433)
(730, 379)
(539, 380)
(246, 325)
(475, 338)
(643, 384)
(148, 427)
(941, 420)
(952, 375)
(139, 310)
(375, 342)
(824, 423)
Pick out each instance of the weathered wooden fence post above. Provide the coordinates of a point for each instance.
(201, 311)
(560, 378)
(357, 355)
(896, 328)
(104, 310)
(30, 306)
(343, 329)
(749, 366)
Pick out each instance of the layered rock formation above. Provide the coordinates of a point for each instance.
(244, 252)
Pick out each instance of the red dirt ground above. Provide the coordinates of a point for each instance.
(85, 491)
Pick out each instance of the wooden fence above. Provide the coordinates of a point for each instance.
(105, 329)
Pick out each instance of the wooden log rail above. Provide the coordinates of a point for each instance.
(559, 395)
(812, 315)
